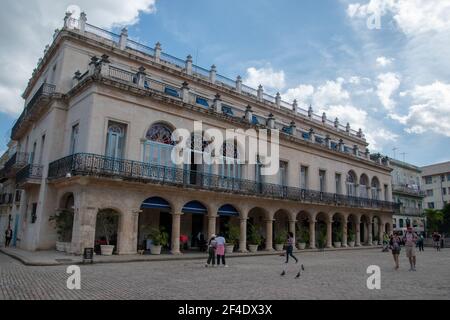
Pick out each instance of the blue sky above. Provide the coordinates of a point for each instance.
(394, 81)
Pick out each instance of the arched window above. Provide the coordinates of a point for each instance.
(159, 145)
(351, 184)
(230, 167)
(375, 186)
(363, 186)
(160, 133)
(115, 140)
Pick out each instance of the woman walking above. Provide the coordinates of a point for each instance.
(290, 253)
(220, 250)
(395, 247)
(212, 244)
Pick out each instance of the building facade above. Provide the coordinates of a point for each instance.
(436, 181)
(97, 133)
(407, 192)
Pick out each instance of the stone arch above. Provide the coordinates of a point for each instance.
(280, 226)
(149, 133)
(377, 229)
(228, 218)
(155, 213)
(257, 218)
(376, 188)
(65, 218)
(107, 225)
(339, 227)
(322, 221)
(303, 220)
(364, 229)
(194, 224)
(352, 227)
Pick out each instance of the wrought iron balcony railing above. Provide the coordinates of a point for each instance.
(18, 160)
(417, 212)
(101, 166)
(45, 91)
(405, 189)
(6, 198)
(31, 173)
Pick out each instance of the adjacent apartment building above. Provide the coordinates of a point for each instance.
(436, 181)
(407, 192)
(96, 135)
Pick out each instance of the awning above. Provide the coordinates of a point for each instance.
(156, 203)
(194, 207)
(228, 211)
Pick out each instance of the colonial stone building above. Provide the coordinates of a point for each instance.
(96, 133)
(408, 193)
(436, 181)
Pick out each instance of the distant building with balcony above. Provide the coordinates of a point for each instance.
(436, 182)
(408, 194)
(100, 112)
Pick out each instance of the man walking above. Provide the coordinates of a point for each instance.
(410, 240)
(8, 237)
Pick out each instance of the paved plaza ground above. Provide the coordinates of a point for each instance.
(328, 275)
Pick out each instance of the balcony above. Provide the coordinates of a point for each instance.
(6, 199)
(408, 190)
(31, 174)
(15, 163)
(103, 167)
(416, 212)
(32, 110)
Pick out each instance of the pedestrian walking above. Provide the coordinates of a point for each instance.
(290, 242)
(220, 250)
(8, 237)
(394, 244)
(421, 242)
(410, 240)
(212, 245)
(436, 241)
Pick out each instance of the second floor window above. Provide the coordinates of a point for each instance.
(283, 173)
(74, 139)
(338, 183)
(322, 180)
(429, 193)
(444, 191)
(304, 177)
(430, 205)
(428, 180)
(115, 141)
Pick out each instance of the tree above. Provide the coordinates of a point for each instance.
(435, 219)
(445, 227)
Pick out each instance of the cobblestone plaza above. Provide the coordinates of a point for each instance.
(328, 275)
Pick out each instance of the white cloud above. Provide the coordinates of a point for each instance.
(388, 83)
(413, 17)
(34, 22)
(302, 94)
(331, 93)
(430, 110)
(267, 77)
(384, 62)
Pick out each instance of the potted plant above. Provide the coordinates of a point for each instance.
(303, 238)
(280, 240)
(233, 238)
(107, 222)
(159, 239)
(338, 239)
(64, 225)
(351, 238)
(254, 239)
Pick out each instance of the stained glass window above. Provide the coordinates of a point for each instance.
(160, 133)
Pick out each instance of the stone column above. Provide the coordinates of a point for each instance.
(370, 235)
(380, 232)
(269, 235)
(312, 234)
(243, 235)
(85, 219)
(158, 50)
(189, 65)
(212, 220)
(176, 222)
(344, 231)
(123, 39)
(239, 84)
(292, 228)
(213, 74)
(358, 233)
(330, 234)
(128, 233)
